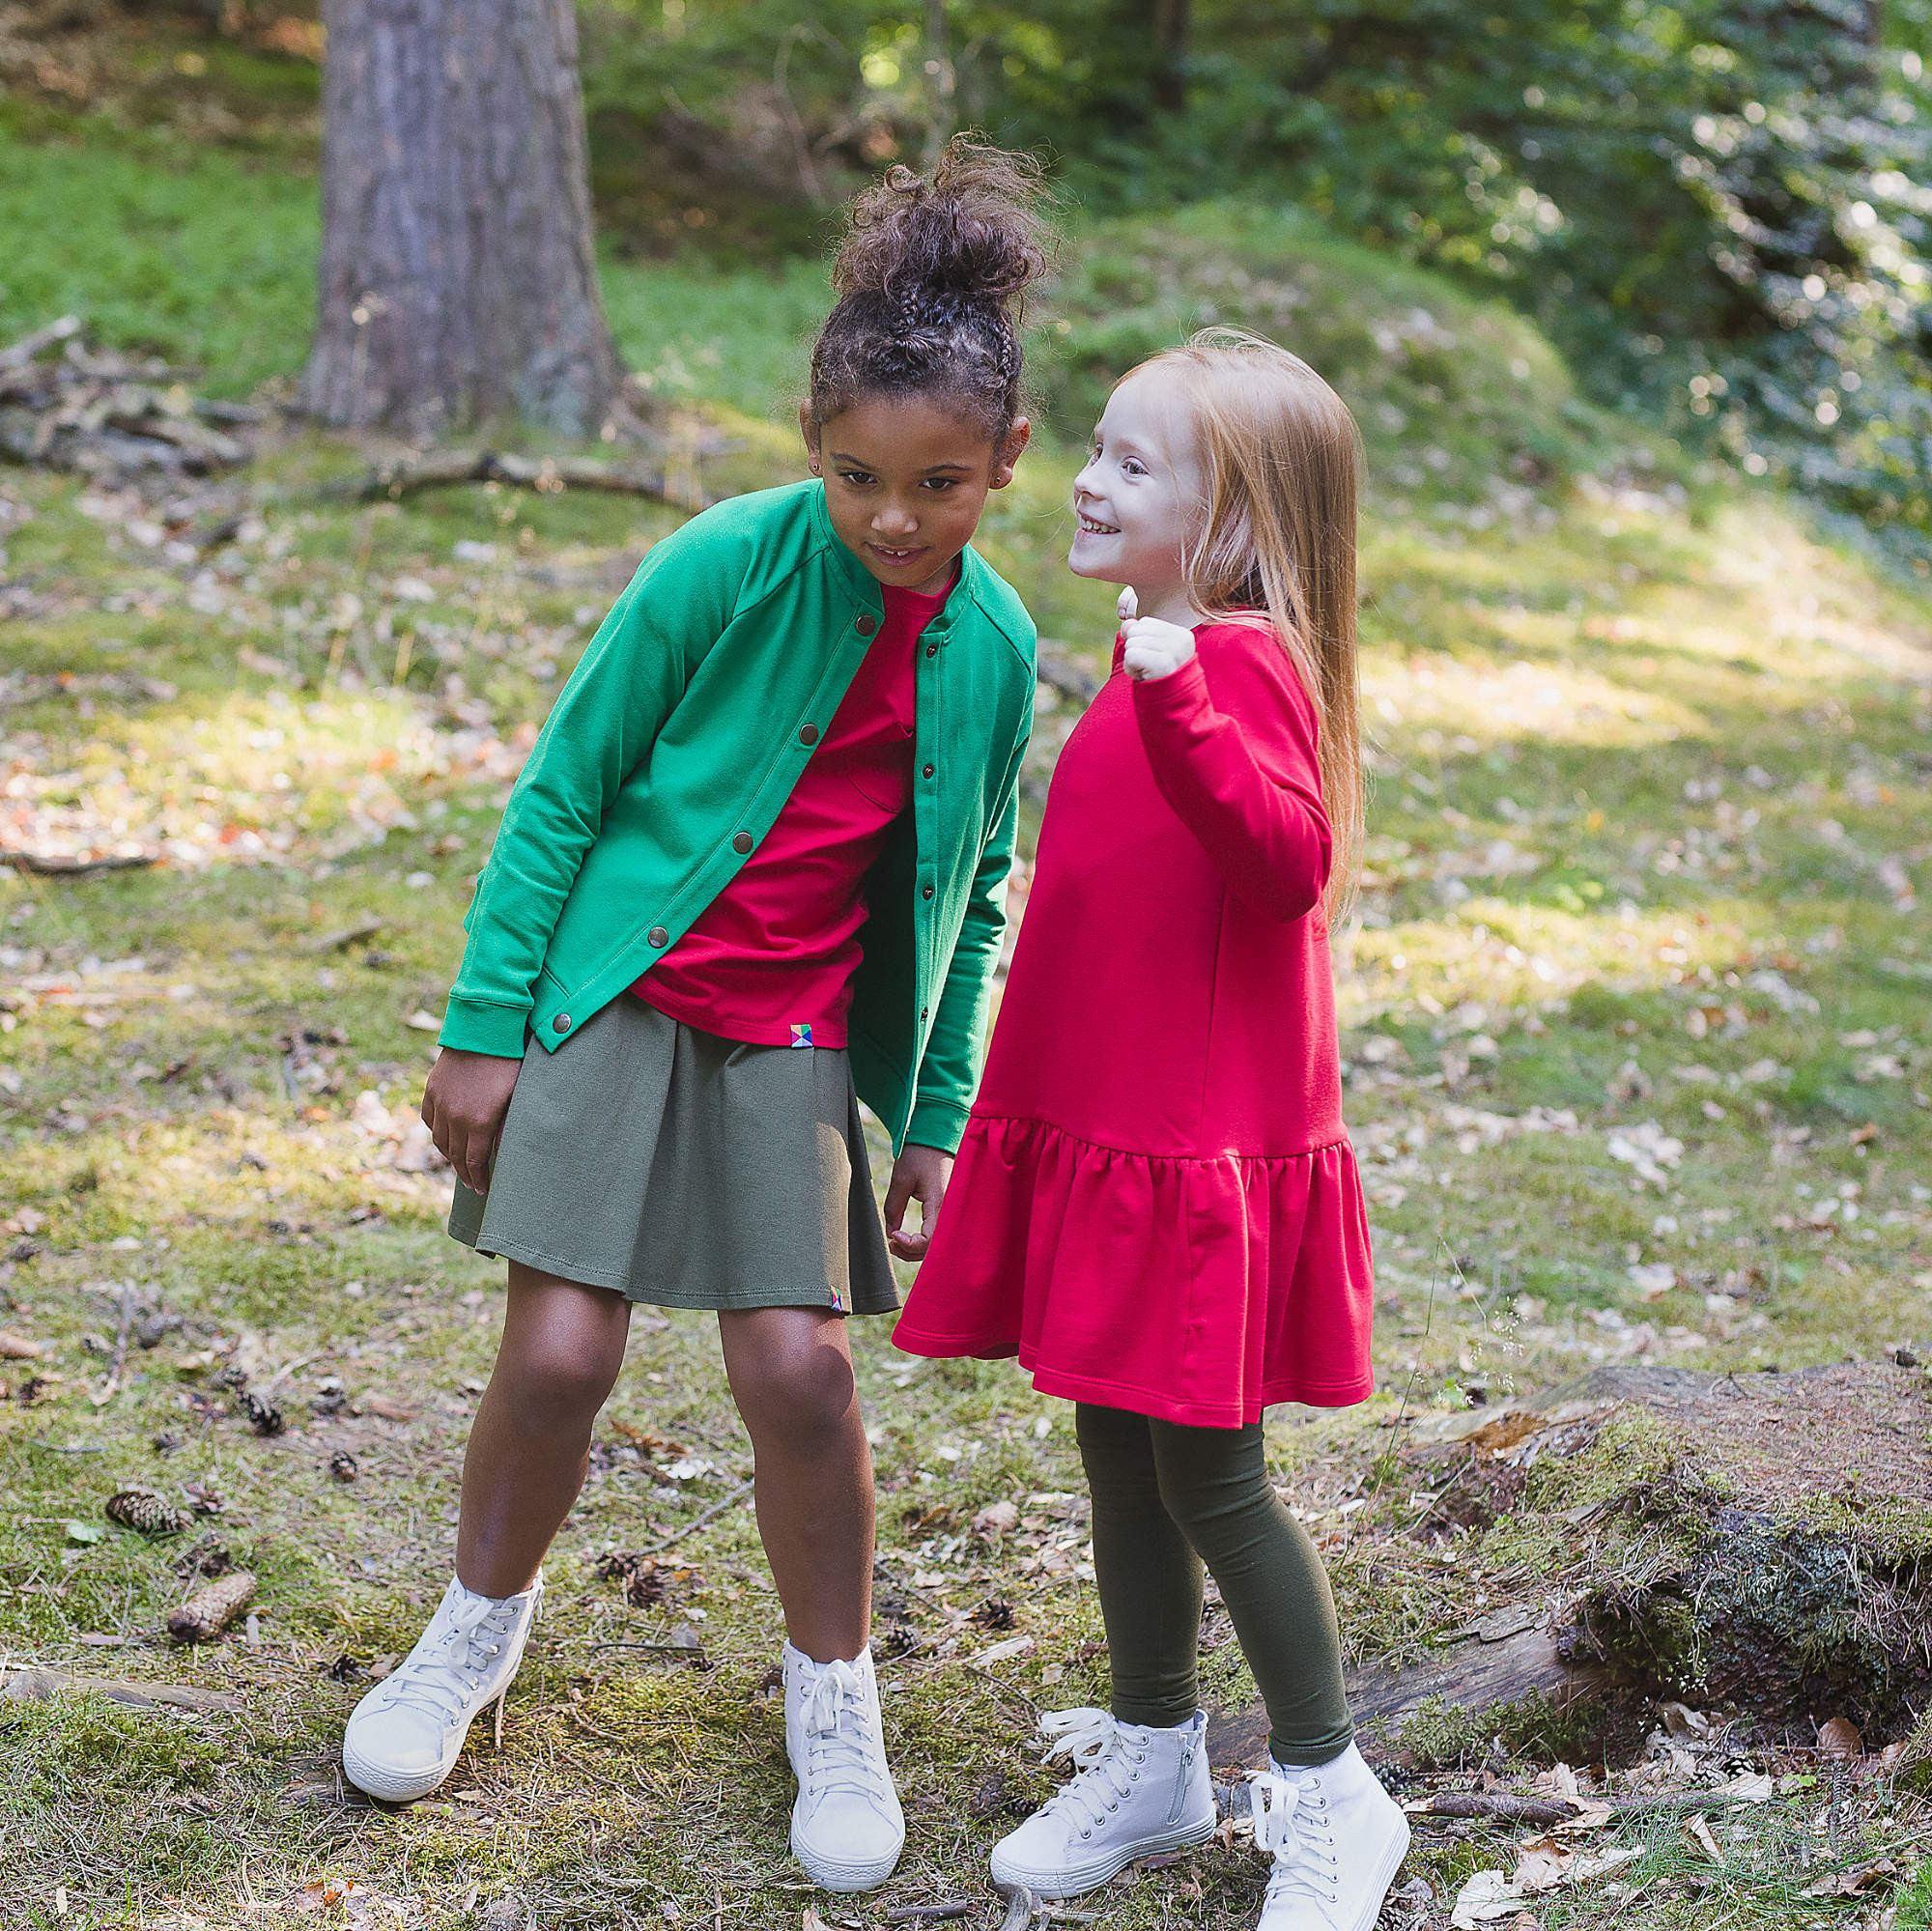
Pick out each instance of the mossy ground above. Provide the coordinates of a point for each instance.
(1633, 1025)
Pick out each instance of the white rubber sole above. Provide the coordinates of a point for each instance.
(1073, 1879)
(394, 1786)
(837, 1874)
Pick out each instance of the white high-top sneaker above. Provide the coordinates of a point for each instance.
(1137, 1791)
(404, 1736)
(1337, 1838)
(847, 1826)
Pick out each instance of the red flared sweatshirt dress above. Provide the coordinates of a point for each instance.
(1155, 1204)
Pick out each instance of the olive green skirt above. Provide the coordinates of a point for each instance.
(686, 1170)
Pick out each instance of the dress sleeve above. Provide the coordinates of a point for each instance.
(1232, 739)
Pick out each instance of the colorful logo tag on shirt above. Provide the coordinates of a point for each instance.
(801, 1036)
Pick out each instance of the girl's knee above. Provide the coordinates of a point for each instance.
(800, 1396)
(555, 1385)
(1209, 1477)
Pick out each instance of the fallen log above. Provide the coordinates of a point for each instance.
(1759, 1544)
(441, 469)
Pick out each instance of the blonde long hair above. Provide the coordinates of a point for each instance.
(1282, 459)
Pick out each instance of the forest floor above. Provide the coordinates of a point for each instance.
(1636, 1065)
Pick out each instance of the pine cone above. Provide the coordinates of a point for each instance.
(144, 1509)
(342, 1466)
(206, 1614)
(263, 1416)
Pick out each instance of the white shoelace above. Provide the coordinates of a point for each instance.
(1291, 1823)
(838, 1743)
(438, 1680)
(1091, 1739)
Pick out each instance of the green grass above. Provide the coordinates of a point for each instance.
(1649, 800)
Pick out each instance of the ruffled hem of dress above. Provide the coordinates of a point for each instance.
(1199, 1288)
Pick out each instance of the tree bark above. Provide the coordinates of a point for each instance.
(458, 282)
(1170, 74)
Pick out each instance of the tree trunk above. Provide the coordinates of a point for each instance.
(1170, 74)
(458, 281)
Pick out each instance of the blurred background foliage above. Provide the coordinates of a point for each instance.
(1719, 212)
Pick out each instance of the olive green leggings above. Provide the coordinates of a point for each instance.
(1169, 1498)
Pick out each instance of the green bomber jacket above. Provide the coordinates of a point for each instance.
(668, 754)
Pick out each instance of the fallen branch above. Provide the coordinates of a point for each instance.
(705, 1516)
(66, 404)
(347, 935)
(59, 866)
(37, 1686)
(443, 468)
(111, 1387)
(1502, 1806)
(1021, 1905)
(929, 1913)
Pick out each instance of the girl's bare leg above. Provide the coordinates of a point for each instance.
(791, 1370)
(530, 1448)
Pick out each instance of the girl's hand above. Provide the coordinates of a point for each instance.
(922, 1174)
(464, 1104)
(1153, 648)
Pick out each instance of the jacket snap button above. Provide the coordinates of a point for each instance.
(932, 651)
(866, 624)
(561, 1023)
(926, 892)
(742, 843)
(926, 772)
(807, 734)
(657, 937)
(922, 1012)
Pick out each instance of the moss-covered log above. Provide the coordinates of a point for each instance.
(1759, 1544)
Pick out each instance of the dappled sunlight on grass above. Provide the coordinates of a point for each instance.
(248, 777)
(1504, 952)
(1485, 700)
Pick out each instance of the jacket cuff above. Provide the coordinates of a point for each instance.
(480, 1026)
(937, 1122)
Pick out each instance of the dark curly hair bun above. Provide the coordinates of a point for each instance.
(931, 279)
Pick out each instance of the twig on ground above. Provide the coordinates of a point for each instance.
(111, 1387)
(1021, 1906)
(690, 1653)
(929, 1913)
(698, 1520)
(347, 935)
(287, 1369)
(1501, 1805)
